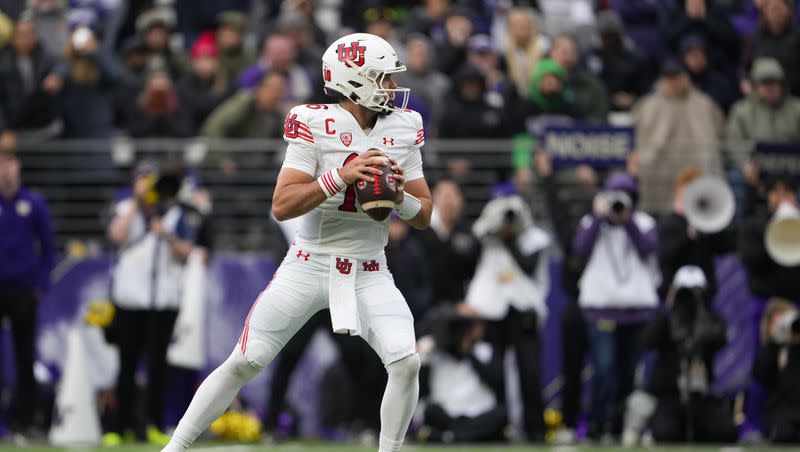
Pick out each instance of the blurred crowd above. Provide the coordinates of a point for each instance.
(701, 81)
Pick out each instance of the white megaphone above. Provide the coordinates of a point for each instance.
(782, 239)
(708, 204)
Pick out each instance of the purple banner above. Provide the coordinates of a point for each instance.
(601, 147)
(777, 158)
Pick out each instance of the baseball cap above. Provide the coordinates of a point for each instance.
(689, 277)
(480, 43)
(671, 67)
(692, 41)
(233, 19)
(766, 69)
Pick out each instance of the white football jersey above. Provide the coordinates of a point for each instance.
(322, 137)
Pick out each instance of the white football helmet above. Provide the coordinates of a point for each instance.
(354, 67)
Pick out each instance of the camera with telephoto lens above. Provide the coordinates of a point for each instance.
(449, 329)
(691, 321)
(786, 326)
(618, 201)
(162, 189)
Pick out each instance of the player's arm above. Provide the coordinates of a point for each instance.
(297, 192)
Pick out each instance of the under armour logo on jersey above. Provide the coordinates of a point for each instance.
(371, 266)
(388, 141)
(344, 265)
(304, 256)
(353, 54)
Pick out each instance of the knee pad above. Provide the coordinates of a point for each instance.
(406, 368)
(241, 367)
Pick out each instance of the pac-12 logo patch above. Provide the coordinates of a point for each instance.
(346, 138)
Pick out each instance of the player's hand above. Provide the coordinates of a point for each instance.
(399, 180)
(360, 168)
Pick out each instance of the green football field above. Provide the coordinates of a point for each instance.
(319, 447)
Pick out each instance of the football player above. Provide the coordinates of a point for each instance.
(337, 259)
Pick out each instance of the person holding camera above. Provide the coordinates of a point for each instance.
(154, 240)
(463, 392)
(777, 368)
(509, 290)
(618, 293)
(687, 335)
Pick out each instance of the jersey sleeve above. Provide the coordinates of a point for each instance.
(413, 166)
(300, 153)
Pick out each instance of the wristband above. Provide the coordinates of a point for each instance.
(331, 183)
(409, 208)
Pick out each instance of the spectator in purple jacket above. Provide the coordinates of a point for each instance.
(26, 247)
(618, 294)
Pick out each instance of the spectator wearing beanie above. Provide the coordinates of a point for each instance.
(704, 77)
(207, 84)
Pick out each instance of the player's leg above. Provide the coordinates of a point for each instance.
(388, 327)
(287, 303)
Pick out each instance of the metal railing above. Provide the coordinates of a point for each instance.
(80, 178)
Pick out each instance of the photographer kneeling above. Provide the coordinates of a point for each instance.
(687, 335)
(777, 368)
(461, 389)
(508, 291)
(154, 239)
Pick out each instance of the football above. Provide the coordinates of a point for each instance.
(377, 196)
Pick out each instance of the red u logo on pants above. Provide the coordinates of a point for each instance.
(344, 266)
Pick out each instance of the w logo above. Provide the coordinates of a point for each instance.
(353, 54)
(344, 266)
